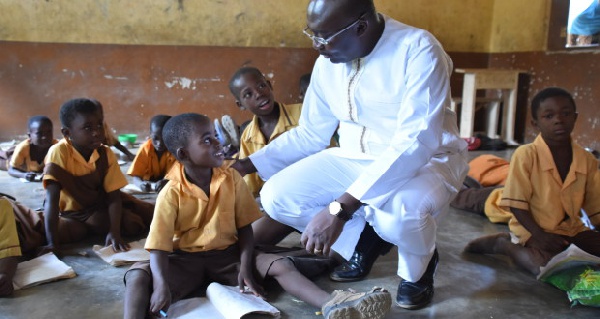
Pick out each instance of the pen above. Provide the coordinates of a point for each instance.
(163, 313)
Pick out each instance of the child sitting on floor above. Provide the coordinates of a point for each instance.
(21, 232)
(153, 160)
(83, 179)
(201, 232)
(27, 160)
(549, 183)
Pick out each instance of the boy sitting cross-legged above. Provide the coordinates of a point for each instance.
(82, 180)
(550, 182)
(201, 232)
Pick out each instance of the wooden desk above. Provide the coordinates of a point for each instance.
(495, 79)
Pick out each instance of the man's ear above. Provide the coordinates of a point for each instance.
(65, 132)
(362, 27)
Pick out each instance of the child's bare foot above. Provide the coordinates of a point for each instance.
(488, 244)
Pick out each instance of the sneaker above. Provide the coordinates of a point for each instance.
(221, 135)
(416, 295)
(231, 129)
(348, 304)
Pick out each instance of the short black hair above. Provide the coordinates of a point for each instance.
(159, 121)
(546, 93)
(239, 73)
(179, 128)
(70, 109)
(38, 119)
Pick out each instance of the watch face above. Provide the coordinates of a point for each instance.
(335, 208)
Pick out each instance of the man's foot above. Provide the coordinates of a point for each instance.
(369, 247)
(488, 244)
(415, 295)
(348, 304)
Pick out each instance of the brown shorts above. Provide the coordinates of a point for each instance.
(189, 272)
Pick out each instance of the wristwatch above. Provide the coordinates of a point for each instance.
(335, 209)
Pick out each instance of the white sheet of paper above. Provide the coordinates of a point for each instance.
(135, 253)
(40, 270)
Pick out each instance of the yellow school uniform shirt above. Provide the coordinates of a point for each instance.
(188, 220)
(21, 158)
(66, 156)
(148, 166)
(253, 140)
(534, 185)
(9, 240)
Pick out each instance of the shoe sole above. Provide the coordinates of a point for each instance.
(371, 306)
(333, 277)
(231, 130)
(222, 135)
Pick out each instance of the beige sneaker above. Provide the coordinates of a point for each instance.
(348, 304)
(231, 129)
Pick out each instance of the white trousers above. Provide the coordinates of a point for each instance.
(407, 218)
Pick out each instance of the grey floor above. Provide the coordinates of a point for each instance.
(467, 286)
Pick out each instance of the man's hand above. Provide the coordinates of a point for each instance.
(116, 242)
(321, 232)
(244, 166)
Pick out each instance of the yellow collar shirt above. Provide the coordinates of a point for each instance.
(186, 219)
(253, 140)
(534, 185)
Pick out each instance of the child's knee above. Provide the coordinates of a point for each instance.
(281, 266)
(137, 278)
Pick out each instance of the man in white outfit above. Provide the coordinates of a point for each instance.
(385, 87)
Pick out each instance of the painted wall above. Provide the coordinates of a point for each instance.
(169, 56)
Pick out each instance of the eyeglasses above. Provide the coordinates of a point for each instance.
(323, 41)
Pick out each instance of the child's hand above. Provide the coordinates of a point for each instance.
(160, 300)
(145, 186)
(30, 176)
(116, 242)
(245, 279)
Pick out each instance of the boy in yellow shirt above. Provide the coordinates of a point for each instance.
(27, 160)
(153, 160)
(83, 179)
(253, 92)
(550, 182)
(201, 232)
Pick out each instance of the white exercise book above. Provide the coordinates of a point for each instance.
(40, 270)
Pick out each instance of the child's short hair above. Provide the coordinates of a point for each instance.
(546, 93)
(70, 109)
(38, 119)
(179, 128)
(238, 74)
(158, 121)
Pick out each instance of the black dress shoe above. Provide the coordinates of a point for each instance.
(369, 247)
(415, 295)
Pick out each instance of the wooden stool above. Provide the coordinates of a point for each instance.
(492, 108)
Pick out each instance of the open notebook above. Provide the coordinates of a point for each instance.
(135, 253)
(40, 270)
(571, 257)
(221, 302)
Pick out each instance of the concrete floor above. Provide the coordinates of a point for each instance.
(467, 286)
